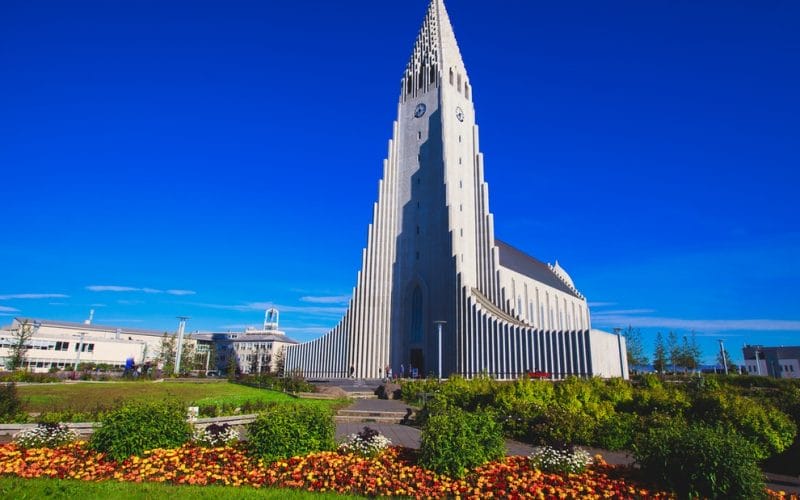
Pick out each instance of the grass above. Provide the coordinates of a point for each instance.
(90, 397)
(18, 488)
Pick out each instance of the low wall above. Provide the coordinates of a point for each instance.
(85, 429)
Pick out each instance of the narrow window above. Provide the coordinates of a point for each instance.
(462, 231)
(459, 82)
(451, 76)
(466, 90)
(459, 138)
(461, 208)
(459, 161)
(419, 135)
(460, 184)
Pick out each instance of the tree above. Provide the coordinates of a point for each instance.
(690, 353)
(188, 360)
(280, 361)
(673, 350)
(633, 343)
(659, 355)
(166, 353)
(20, 343)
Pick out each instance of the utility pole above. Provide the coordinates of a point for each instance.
(179, 350)
(439, 325)
(78, 353)
(618, 331)
(724, 359)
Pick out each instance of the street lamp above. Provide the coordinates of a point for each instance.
(78, 348)
(439, 325)
(724, 359)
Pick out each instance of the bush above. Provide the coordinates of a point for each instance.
(561, 426)
(45, 436)
(137, 427)
(367, 443)
(768, 428)
(560, 461)
(10, 404)
(617, 432)
(700, 461)
(454, 441)
(286, 430)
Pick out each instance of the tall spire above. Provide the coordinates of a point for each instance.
(435, 53)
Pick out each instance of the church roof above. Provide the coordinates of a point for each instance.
(518, 261)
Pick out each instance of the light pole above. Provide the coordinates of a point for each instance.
(179, 350)
(758, 365)
(78, 348)
(439, 325)
(724, 358)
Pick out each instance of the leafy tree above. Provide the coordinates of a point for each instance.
(280, 361)
(673, 350)
(188, 358)
(689, 353)
(18, 349)
(166, 353)
(659, 355)
(633, 342)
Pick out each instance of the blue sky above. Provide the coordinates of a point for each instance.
(210, 158)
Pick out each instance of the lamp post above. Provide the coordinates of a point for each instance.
(724, 359)
(758, 365)
(439, 325)
(78, 348)
(179, 350)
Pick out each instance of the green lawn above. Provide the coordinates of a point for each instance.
(17, 488)
(89, 397)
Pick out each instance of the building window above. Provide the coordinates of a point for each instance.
(62, 346)
(419, 135)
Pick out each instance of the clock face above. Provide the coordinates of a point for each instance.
(460, 114)
(420, 110)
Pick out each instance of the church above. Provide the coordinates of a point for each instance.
(437, 292)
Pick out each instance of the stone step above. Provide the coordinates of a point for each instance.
(372, 413)
(368, 419)
(362, 395)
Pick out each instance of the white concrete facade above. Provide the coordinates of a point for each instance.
(778, 362)
(56, 344)
(432, 256)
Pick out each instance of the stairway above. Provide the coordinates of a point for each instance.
(376, 410)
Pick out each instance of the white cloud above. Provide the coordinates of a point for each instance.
(261, 306)
(117, 288)
(335, 299)
(703, 325)
(602, 304)
(624, 311)
(34, 296)
(8, 309)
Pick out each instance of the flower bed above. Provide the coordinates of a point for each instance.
(391, 473)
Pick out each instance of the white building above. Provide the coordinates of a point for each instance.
(62, 344)
(778, 362)
(432, 258)
(255, 350)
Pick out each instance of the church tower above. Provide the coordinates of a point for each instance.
(431, 254)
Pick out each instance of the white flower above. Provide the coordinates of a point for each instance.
(367, 443)
(45, 436)
(215, 435)
(549, 459)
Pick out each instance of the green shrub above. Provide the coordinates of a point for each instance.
(138, 426)
(617, 432)
(286, 430)
(768, 428)
(700, 461)
(10, 404)
(455, 441)
(561, 426)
